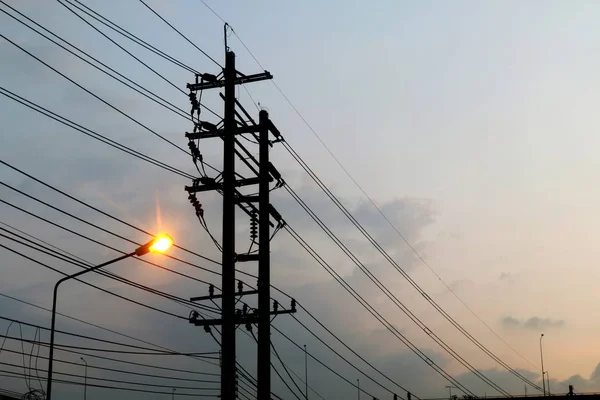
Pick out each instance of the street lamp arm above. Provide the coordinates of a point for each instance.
(94, 268)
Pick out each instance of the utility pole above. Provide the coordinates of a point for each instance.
(264, 263)
(228, 366)
(236, 122)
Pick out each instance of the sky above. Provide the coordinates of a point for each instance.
(471, 125)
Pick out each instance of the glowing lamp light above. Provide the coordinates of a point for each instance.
(159, 244)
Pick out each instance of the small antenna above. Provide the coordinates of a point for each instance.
(225, 36)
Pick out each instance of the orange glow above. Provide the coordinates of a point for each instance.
(161, 244)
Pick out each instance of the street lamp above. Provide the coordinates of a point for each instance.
(305, 373)
(159, 244)
(450, 390)
(542, 359)
(85, 380)
(173, 393)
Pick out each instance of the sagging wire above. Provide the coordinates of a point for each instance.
(35, 336)
(27, 377)
(32, 394)
(200, 215)
(37, 356)
(5, 337)
(279, 227)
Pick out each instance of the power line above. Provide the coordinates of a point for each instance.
(391, 296)
(347, 347)
(117, 380)
(110, 24)
(173, 27)
(88, 132)
(412, 248)
(92, 285)
(128, 35)
(388, 258)
(209, 355)
(447, 348)
(93, 94)
(180, 34)
(310, 387)
(373, 311)
(121, 371)
(84, 236)
(53, 188)
(285, 368)
(213, 11)
(97, 227)
(67, 346)
(117, 333)
(112, 275)
(17, 375)
(134, 227)
(383, 215)
(165, 103)
(322, 363)
(118, 45)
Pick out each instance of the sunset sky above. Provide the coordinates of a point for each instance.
(472, 125)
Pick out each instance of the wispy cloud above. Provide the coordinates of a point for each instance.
(533, 323)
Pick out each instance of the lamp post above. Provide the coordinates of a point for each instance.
(159, 244)
(358, 387)
(542, 359)
(85, 380)
(173, 394)
(305, 373)
(548, 383)
(450, 390)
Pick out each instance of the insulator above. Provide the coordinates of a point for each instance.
(194, 150)
(206, 328)
(194, 316)
(293, 305)
(211, 290)
(253, 227)
(249, 327)
(275, 305)
(245, 309)
(240, 286)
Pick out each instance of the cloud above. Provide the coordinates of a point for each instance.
(533, 323)
(510, 321)
(462, 284)
(536, 323)
(505, 276)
